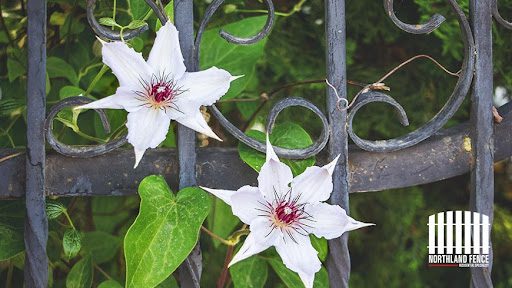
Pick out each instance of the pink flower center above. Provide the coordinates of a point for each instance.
(162, 91)
(287, 213)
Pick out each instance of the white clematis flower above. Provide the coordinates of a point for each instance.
(159, 90)
(282, 211)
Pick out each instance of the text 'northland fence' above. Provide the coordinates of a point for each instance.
(489, 141)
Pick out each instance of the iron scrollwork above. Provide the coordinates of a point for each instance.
(461, 89)
(452, 105)
(496, 14)
(157, 7)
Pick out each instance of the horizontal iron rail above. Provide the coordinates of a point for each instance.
(444, 155)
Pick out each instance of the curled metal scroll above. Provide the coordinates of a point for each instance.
(451, 106)
(107, 33)
(213, 7)
(367, 98)
(280, 106)
(288, 102)
(497, 16)
(100, 149)
(433, 23)
(79, 151)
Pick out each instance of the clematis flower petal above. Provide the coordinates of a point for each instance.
(331, 221)
(110, 102)
(196, 122)
(274, 177)
(314, 184)
(224, 195)
(124, 98)
(165, 56)
(301, 257)
(204, 87)
(128, 65)
(259, 239)
(247, 204)
(147, 128)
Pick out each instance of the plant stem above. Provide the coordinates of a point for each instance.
(65, 212)
(87, 69)
(89, 137)
(224, 275)
(114, 13)
(97, 78)
(8, 280)
(10, 156)
(102, 271)
(215, 236)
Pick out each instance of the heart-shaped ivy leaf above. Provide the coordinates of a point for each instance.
(164, 233)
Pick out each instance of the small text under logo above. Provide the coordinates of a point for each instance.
(458, 239)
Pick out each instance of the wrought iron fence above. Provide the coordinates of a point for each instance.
(393, 158)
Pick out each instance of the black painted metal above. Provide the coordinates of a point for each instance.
(433, 23)
(442, 156)
(497, 15)
(408, 159)
(108, 33)
(190, 270)
(85, 151)
(36, 223)
(460, 91)
(338, 261)
(482, 172)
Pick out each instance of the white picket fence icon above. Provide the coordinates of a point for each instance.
(471, 235)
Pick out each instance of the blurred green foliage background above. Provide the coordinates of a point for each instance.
(391, 254)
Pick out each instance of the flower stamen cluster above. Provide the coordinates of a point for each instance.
(161, 92)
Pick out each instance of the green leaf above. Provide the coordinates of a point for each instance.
(71, 243)
(9, 106)
(164, 233)
(102, 246)
(11, 228)
(170, 138)
(81, 274)
(138, 8)
(69, 91)
(136, 24)
(237, 59)
(58, 68)
(221, 220)
(320, 245)
(137, 44)
(57, 18)
(170, 282)
(286, 135)
(169, 10)
(14, 69)
(107, 21)
(72, 26)
(12, 242)
(250, 273)
(292, 279)
(54, 209)
(110, 284)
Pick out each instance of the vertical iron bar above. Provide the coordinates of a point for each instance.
(338, 262)
(190, 270)
(36, 223)
(482, 176)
